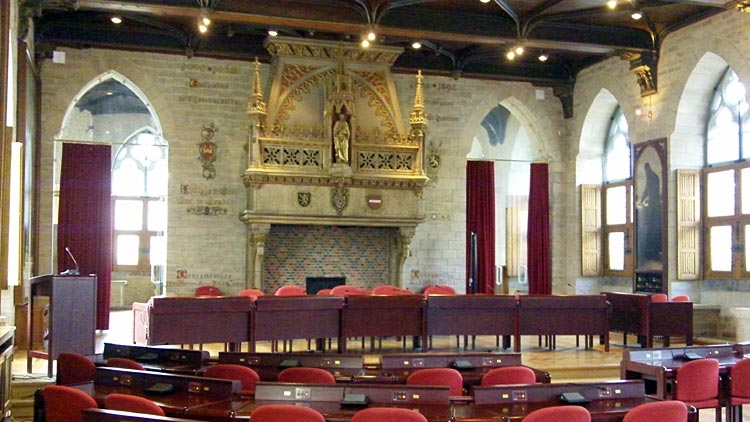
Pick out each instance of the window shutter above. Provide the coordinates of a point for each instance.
(591, 233)
(688, 224)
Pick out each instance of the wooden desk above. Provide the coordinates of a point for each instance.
(401, 365)
(180, 361)
(635, 313)
(552, 315)
(433, 402)
(658, 367)
(268, 365)
(610, 401)
(471, 315)
(191, 392)
(294, 317)
(105, 415)
(383, 316)
(71, 317)
(191, 320)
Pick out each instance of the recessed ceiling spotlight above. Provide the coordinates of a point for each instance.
(612, 4)
(510, 55)
(371, 36)
(636, 15)
(116, 20)
(202, 28)
(519, 50)
(273, 32)
(365, 43)
(543, 57)
(484, 1)
(416, 45)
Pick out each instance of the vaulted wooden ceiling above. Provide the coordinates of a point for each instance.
(459, 38)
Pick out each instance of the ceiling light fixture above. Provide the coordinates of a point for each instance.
(519, 50)
(416, 45)
(365, 43)
(636, 15)
(273, 32)
(543, 57)
(612, 4)
(511, 55)
(484, 1)
(205, 20)
(371, 36)
(116, 20)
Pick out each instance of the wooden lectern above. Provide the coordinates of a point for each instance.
(71, 317)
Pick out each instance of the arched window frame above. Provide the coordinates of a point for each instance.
(617, 194)
(135, 237)
(726, 182)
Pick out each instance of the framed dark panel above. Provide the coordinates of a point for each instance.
(650, 205)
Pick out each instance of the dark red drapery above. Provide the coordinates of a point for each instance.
(480, 219)
(84, 222)
(539, 260)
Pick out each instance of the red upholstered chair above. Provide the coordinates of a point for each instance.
(438, 376)
(509, 375)
(658, 411)
(697, 384)
(74, 368)
(388, 414)
(131, 403)
(346, 290)
(559, 414)
(285, 413)
(207, 291)
(740, 389)
(439, 290)
(323, 292)
(290, 290)
(681, 298)
(306, 375)
(659, 297)
(388, 289)
(229, 371)
(124, 363)
(250, 293)
(65, 404)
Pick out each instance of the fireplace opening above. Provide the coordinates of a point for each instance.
(315, 284)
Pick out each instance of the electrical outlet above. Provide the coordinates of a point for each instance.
(302, 393)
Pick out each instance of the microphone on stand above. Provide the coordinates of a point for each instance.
(71, 271)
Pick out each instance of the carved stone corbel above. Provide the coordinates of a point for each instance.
(645, 67)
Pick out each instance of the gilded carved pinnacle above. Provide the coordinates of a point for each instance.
(256, 105)
(417, 116)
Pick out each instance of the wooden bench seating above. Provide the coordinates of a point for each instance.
(636, 313)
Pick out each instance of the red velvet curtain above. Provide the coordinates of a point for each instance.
(84, 222)
(539, 260)
(480, 219)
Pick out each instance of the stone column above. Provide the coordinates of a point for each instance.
(256, 242)
(405, 234)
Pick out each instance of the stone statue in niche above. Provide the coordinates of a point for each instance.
(341, 136)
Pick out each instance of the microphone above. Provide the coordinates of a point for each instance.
(71, 271)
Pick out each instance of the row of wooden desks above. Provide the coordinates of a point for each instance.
(391, 368)
(210, 399)
(272, 318)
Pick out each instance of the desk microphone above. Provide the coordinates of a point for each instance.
(71, 271)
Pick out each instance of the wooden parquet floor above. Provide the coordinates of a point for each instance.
(567, 363)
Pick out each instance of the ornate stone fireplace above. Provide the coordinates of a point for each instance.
(331, 148)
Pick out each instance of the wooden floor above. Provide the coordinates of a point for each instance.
(567, 363)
